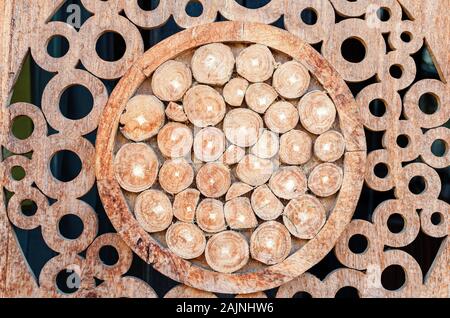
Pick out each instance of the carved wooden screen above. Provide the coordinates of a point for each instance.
(330, 88)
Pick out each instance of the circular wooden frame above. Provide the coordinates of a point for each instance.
(160, 257)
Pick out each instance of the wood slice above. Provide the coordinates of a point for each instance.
(185, 240)
(304, 216)
(176, 175)
(267, 145)
(171, 80)
(329, 146)
(254, 171)
(239, 214)
(288, 182)
(317, 112)
(213, 64)
(270, 243)
(232, 155)
(242, 127)
(281, 117)
(209, 144)
(210, 216)
(325, 179)
(291, 80)
(265, 204)
(153, 211)
(176, 112)
(175, 140)
(143, 117)
(260, 96)
(235, 90)
(227, 252)
(257, 295)
(295, 147)
(255, 63)
(237, 189)
(213, 180)
(204, 106)
(185, 204)
(136, 167)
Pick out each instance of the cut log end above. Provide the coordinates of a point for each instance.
(213, 64)
(176, 112)
(210, 216)
(209, 144)
(255, 63)
(267, 145)
(237, 189)
(254, 171)
(242, 127)
(304, 216)
(288, 182)
(185, 240)
(295, 147)
(136, 167)
(185, 204)
(153, 211)
(281, 117)
(204, 106)
(143, 117)
(270, 243)
(317, 112)
(234, 91)
(227, 252)
(171, 80)
(239, 214)
(329, 146)
(176, 175)
(265, 204)
(291, 80)
(260, 96)
(213, 180)
(325, 180)
(232, 155)
(175, 140)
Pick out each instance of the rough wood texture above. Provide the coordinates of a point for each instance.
(24, 26)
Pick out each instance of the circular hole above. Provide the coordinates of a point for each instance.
(82, 96)
(71, 226)
(58, 46)
(194, 8)
(111, 40)
(402, 141)
(436, 218)
(393, 277)
(347, 292)
(28, 207)
(22, 127)
(303, 295)
(395, 223)
(109, 255)
(428, 103)
(396, 71)
(377, 107)
(439, 148)
(381, 170)
(417, 185)
(309, 16)
(383, 14)
(68, 281)
(148, 5)
(353, 50)
(65, 165)
(406, 37)
(358, 244)
(18, 173)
